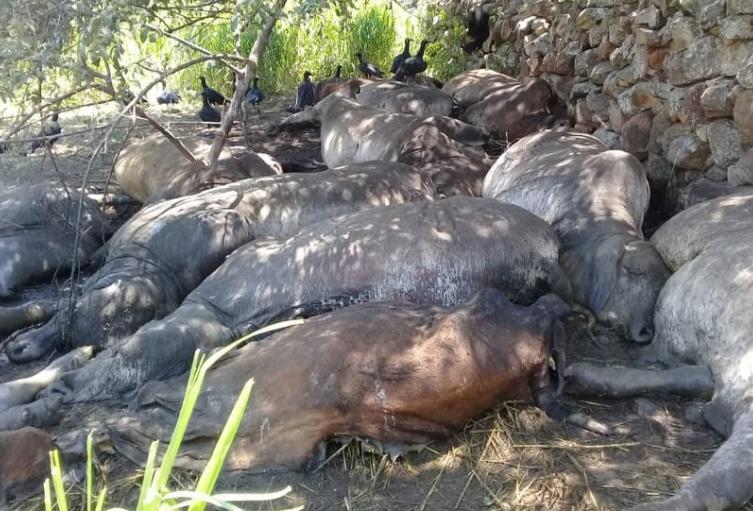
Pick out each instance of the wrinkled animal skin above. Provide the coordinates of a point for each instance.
(396, 374)
(168, 248)
(501, 105)
(37, 232)
(404, 98)
(153, 169)
(428, 252)
(596, 200)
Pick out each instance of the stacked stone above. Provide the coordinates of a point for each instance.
(670, 81)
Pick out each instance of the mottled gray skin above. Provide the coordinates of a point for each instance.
(37, 231)
(703, 316)
(167, 249)
(595, 199)
(427, 253)
(405, 98)
(352, 132)
(38, 414)
(20, 316)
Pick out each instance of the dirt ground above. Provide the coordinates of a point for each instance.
(512, 458)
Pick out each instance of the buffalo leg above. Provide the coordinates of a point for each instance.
(584, 379)
(20, 316)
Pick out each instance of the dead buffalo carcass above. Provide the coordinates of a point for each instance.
(429, 253)
(152, 168)
(503, 106)
(596, 200)
(39, 232)
(703, 316)
(168, 248)
(352, 132)
(397, 375)
(396, 97)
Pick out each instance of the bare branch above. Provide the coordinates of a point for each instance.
(47, 104)
(222, 57)
(262, 39)
(177, 143)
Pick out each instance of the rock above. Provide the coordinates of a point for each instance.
(626, 104)
(743, 115)
(716, 173)
(581, 90)
(651, 17)
(598, 34)
(584, 62)
(656, 58)
(618, 81)
(622, 56)
(719, 98)
(609, 138)
(699, 62)
(617, 33)
(636, 134)
(682, 30)
(689, 109)
(724, 142)
(741, 173)
(658, 169)
(745, 74)
(687, 151)
(648, 37)
(616, 118)
(559, 63)
(590, 17)
(740, 6)
(583, 114)
(675, 101)
(734, 54)
(600, 71)
(710, 13)
(701, 191)
(604, 49)
(640, 61)
(598, 104)
(561, 85)
(736, 28)
(689, 6)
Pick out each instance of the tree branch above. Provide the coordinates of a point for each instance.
(54, 101)
(222, 57)
(177, 143)
(260, 44)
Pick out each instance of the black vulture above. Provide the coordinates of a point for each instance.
(167, 96)
(478, 30)
(399, 59)
(413, 65)
(254, 95)
(207, 113)
(306, 95)
(367, 69)
(211, 95)
(49, 133)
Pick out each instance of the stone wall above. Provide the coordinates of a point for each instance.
(670, 81)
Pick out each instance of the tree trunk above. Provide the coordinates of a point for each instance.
(249, 72)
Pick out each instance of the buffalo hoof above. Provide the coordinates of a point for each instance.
(33, 344)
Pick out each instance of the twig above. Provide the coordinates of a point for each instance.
(462, 493)
(222, 57)
(583, 473)
(57, 170)
(574, 447)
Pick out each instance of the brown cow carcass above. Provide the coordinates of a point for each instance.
(395, 374)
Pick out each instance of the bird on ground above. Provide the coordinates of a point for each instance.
(306, 95)
(212, 96)
(167, 96)
(366, 68)
(413, 65)
(254, 95)
(207, 113)
(399, 59)
(48, 135)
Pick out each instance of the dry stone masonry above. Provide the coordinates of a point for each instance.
(670, 81)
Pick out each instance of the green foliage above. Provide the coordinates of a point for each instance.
(154, 493)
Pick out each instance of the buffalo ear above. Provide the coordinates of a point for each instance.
(640, 258)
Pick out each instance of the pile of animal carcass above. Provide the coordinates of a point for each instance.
(434, 279)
